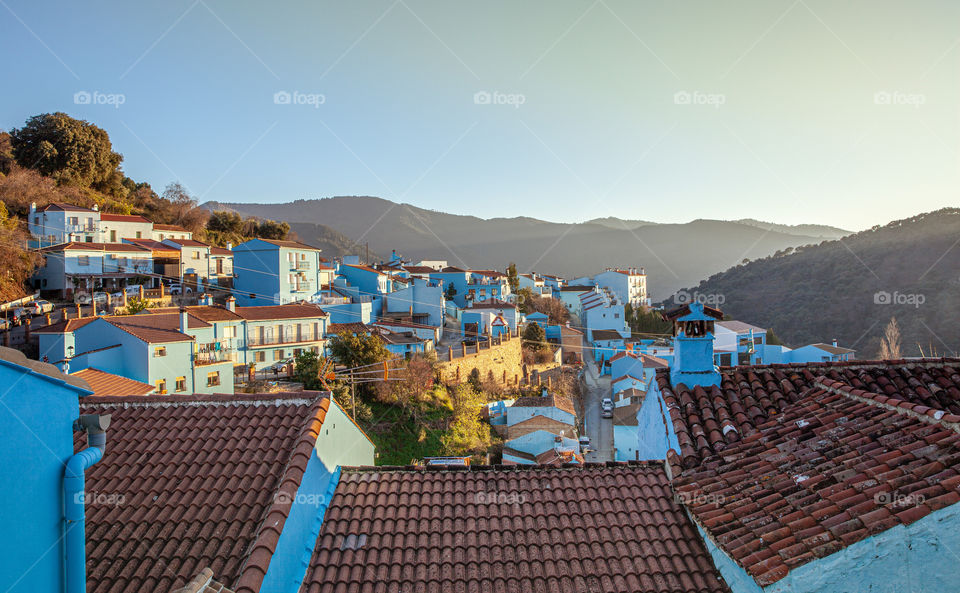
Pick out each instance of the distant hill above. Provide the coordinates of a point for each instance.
(331, 243)
(620, 223)
(806, 230)
(674, 255)
(850, 289)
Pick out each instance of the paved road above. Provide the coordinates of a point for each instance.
(598, 428)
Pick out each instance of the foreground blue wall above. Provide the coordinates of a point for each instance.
(35, 443)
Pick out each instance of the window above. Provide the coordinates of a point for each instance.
(196, 255)
(83, 260)
(162, 386)
(213, 378)
(260, 356)
(113, 236)
(159, 351)
(230, 331)
(74, 220)
(139, 235)
(278, 354)
(297, 351)
(181, 383)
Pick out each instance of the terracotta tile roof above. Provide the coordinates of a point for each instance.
(517, 453)
(685, 310)
(830, 470)
(156, 328)
(364, 268)
(626, 415)
(207, 481)
(492, 304)
(103, 383)
(553, 457)
(555, 400)
(606, 334)
(833, 349)
(706, 421)
(489, 273)
(67, 326)
(570, 529)
(41, 369)
(220, 251)
(123, 218)
(419, 269)
(624, 354)
(152, 245)
(62, 206)
(214, 313)
(739, 327)
(290, 244)
(169, 227)
(353, 327)
(203, 583)
(187, 242)
(653, 362)
(452, 270)
(278, 312)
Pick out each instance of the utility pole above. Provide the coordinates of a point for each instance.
(366, 258)
(353, 397)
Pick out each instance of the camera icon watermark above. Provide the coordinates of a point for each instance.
(314, 100)
(914, 300)
(684, 297)
(498, 98)
(899, 500)
(99, 498)
(714, 100)
(897, 98)
(97, 98)
(499, 498)
(698, 498)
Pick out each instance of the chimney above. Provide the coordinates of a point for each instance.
(835, 345)
(231, 304)
(183, 320)
(96, 208)
(206, 300)
(693, 349)
(33, 207)
(230, 245)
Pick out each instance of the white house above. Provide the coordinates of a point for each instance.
(58, 223)
(86, 267)
(114, 228)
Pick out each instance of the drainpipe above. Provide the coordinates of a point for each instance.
(73, 499)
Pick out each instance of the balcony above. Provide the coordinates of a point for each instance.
(300, 264)
(296, 338)
(303, 287)
(82, 228)
(214, 357)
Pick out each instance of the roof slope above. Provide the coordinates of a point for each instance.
(595, 528)
(706, 421)
(276, 312)
(832, 469)
(206, 481)
(104, 383)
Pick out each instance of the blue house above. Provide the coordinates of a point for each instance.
(271, 271)
(367, 280)
(42, 474)
(541, 319)
(422, 301)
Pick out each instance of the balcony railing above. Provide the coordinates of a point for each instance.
(295, 338)
(213, 357)
(82, 228)
(300, 264)
(303, 287)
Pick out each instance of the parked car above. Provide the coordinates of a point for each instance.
(100, 298)
(177, 288)
(281, 365)
(82, 298)
(134, 290)
(607, 406)
(40, 307)
(19, 314)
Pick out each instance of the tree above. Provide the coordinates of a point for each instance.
(467, 433)
(534, 338)
(357, 350)
(523, 298)
(69, 150)
(890, 342)
(271, 229)
(473, 379)
(136, 305)
(451, 292)
(553, 308)
(307, 370)
(512, 278)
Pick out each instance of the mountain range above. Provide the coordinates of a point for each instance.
(673, 255)
(849, 289)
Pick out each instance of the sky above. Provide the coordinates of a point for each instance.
(796, 111)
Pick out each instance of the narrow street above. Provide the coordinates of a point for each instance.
(600, 430)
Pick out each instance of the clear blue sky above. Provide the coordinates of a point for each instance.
(784, 121)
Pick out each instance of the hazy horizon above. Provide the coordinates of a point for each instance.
(790, 112)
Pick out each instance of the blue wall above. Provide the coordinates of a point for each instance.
(36, 443)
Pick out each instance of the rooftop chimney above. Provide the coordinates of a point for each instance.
(835, 345)
(231, 304)
(96, 208)
(33, 207)
(183, 320)
(230, 245)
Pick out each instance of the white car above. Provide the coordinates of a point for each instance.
(100, 298)
(40, 307)
(134, 290)
(176, 288)
(82, 299)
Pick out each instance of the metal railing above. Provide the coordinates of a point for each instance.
(295, 338)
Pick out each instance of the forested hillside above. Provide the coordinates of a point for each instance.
(850, 288)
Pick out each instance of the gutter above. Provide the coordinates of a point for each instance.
(75, 568)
